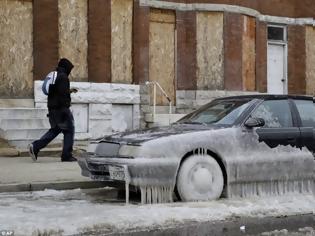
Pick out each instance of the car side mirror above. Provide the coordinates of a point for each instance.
(254, 122)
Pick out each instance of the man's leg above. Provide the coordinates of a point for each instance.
(45, 139)
(68, 139)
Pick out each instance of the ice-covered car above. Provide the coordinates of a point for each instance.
(232, 146)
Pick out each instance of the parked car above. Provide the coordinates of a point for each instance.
(232, 146)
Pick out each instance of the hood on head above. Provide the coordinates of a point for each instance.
(66, 65)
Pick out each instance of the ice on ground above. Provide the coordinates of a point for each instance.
(71, 212)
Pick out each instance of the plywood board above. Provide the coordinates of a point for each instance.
(73, 36)
(310, 60)
(162, 16)
(210, 51)
(16, 49)
(121, 21)
(249, 63)
(162, 64)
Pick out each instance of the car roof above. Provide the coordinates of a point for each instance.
(266, 97)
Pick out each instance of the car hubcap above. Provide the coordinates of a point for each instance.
(201, 178)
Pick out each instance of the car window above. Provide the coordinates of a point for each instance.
(306, 110)
(276, 113)
(223, 112)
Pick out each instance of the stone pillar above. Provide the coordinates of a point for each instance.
(186, 51)
(99, 41)
(46, 36)
(310, 60)
(261, 56)
(140, 47)
(233, 29)
(140, 56)
(249, 53)
(296, 59)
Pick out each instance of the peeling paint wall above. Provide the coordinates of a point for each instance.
(73, 36)
(162, 53)
(16, 49)
(249, 37)
(121, 21)
(210, 51)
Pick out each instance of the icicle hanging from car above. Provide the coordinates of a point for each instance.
(156, 194)
(270, 188)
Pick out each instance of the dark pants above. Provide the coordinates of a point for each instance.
(61, 121)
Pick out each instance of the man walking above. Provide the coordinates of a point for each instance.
(60, 116)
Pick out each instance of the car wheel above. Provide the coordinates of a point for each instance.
(200, 178)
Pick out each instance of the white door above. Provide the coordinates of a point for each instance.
(276, 69)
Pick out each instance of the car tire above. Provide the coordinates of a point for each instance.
(200, 178)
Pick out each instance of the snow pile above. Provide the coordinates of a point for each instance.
(72, 212)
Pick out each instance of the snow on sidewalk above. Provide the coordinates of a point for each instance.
(75, 211)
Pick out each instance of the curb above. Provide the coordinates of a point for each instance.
(27, 187)
(234, 226)
(9, 152)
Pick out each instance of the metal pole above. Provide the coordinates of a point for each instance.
(170, 112)
(154, 100)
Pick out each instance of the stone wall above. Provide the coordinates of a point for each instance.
(121, 24)
(210, 57)
(16, 49)
(100, 109)
(310, 60)
(73, 36)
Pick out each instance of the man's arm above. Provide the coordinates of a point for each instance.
(63, 85)
(73, 90)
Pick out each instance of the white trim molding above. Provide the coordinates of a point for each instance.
(227, 8)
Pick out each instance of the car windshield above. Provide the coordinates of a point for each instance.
(221, 112)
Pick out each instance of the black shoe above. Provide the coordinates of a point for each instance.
(33, 154)
(71, 159)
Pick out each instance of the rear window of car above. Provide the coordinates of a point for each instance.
(306, 109)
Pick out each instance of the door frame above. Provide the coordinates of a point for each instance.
(283, 43)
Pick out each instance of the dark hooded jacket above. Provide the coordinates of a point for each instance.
(59, 93)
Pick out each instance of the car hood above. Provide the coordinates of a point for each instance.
(139, 136)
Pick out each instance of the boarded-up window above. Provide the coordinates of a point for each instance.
(162, 53)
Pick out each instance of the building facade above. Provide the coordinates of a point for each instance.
(241, 45)
(195, 49)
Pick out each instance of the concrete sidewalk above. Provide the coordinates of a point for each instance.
(22, 174)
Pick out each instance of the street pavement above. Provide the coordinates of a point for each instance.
(22, 174)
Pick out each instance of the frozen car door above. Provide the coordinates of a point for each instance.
(278, 128)
(306, 110)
